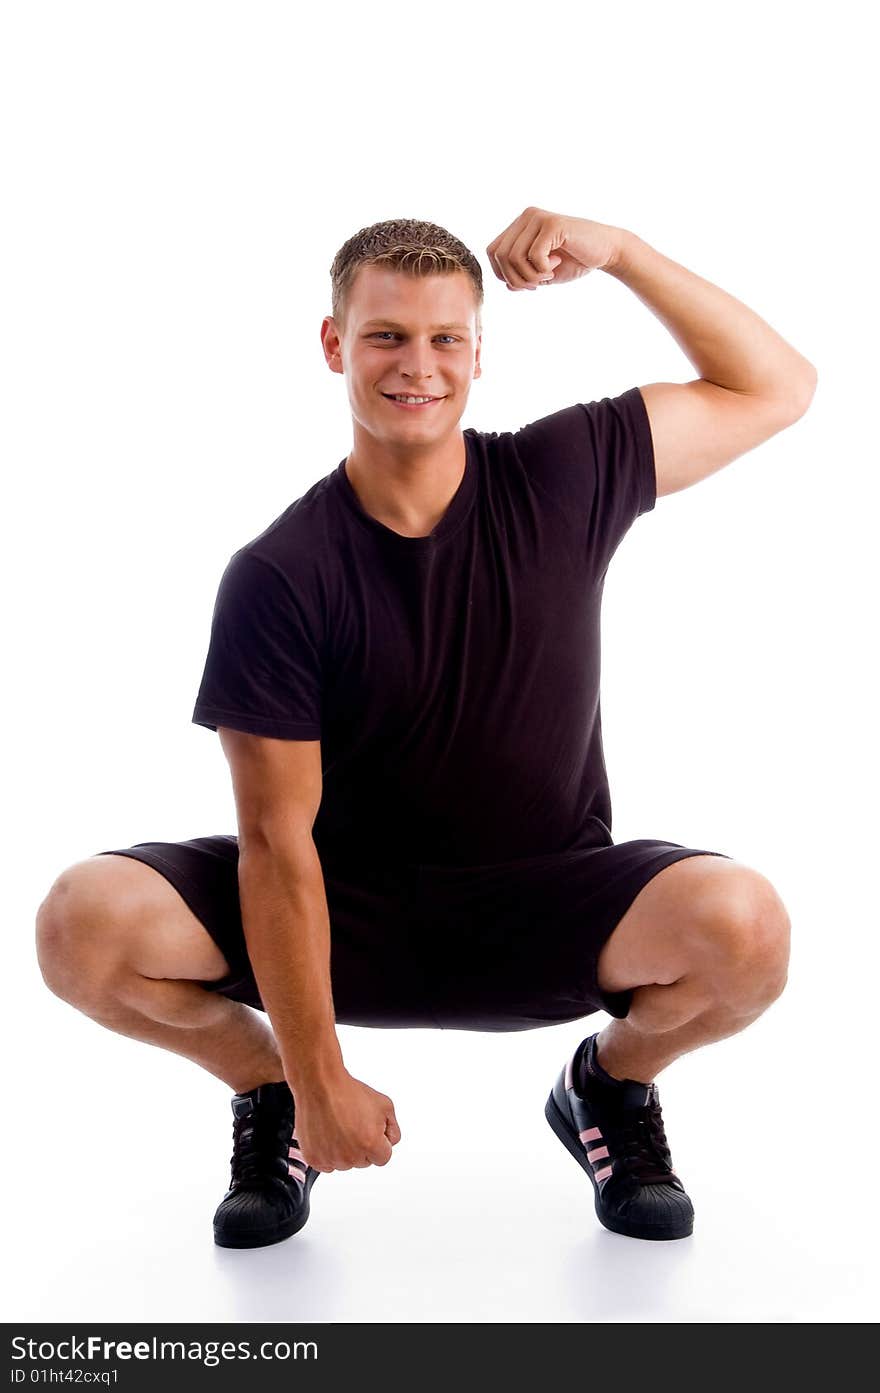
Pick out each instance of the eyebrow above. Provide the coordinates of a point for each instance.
(391, 324)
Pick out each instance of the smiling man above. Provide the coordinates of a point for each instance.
(409, 451)
(403, 670)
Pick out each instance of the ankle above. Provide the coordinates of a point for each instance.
(243, 1078)
(622, 1057)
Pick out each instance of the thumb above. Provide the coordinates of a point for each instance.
(392, 1131)
(552, 263)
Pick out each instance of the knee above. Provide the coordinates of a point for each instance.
(76, 953)
(745, 934)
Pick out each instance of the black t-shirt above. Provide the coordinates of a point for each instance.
(452, 679)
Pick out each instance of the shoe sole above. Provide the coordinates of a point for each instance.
(262, 1238)
(572, 1143)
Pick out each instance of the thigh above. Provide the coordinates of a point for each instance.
(517, 945)
(377, 975)
(188, 932)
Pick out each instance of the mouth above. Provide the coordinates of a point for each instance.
(407, 403)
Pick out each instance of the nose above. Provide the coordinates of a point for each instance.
(415, 364)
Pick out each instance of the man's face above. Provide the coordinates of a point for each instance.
(406, 335)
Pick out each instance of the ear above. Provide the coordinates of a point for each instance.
(332, 344)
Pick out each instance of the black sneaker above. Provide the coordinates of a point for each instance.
(268, 1198)
(616, 1134)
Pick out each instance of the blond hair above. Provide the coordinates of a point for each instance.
(404, 244)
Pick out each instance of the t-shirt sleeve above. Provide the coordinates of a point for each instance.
(263, 672)
(595, 462)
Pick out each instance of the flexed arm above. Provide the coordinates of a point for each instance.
(752, 382)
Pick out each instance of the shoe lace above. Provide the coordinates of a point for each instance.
(637, 1138)
(259, 1146)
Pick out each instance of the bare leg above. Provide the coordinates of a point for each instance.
(705, 944)
(116, 940)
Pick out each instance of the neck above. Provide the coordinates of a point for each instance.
(406, 487)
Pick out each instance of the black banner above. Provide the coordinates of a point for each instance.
(313, 1355)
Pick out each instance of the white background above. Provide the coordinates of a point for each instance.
(178, 177)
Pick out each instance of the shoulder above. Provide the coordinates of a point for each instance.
(588, 423)
(578, 426)
(301, 539)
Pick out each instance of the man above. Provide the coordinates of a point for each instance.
(404, 673)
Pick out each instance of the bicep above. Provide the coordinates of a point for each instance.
(698, 427)
(277, 785)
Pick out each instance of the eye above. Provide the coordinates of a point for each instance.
(389, 333)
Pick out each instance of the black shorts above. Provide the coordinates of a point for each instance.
(509, 946)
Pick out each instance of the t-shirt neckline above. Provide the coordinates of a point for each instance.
(457, 509)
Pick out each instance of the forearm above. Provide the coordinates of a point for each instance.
(727, 342)
(287, 931)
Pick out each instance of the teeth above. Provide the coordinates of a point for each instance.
(412, 399)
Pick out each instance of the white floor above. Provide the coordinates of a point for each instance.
(117, 1154)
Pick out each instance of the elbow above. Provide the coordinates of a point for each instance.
(791, 396)
(290, 841)
(806, 391)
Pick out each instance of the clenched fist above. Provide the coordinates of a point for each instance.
(345, 1124)
(544, 248)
